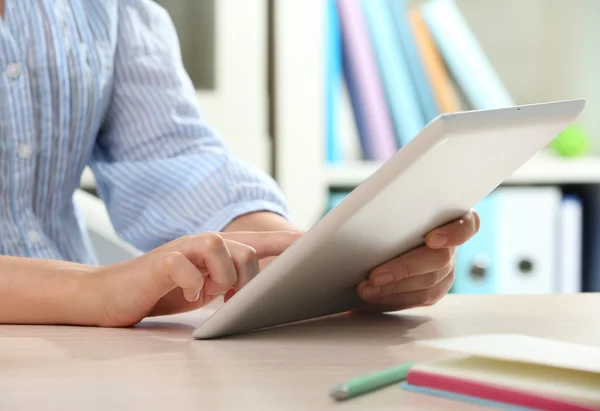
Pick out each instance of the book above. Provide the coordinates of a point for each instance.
(513, 370)
(463, 55)
(378, 140)
(348, 129)
(433, 65)
(333, 81)
(406, 43)
(400, 90)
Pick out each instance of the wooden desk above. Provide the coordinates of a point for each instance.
(157, 366)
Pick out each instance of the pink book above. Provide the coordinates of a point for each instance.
(525, 372)
(489, 392)
(367, 94)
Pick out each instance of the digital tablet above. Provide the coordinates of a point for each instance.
(451, 165)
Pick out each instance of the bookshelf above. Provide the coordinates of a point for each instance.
(527, 42)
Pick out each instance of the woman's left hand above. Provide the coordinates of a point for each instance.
(422, 276)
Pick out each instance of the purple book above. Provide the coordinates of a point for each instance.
(368, 98)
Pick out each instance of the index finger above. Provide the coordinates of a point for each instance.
(266, 243)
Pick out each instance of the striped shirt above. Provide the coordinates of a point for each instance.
(101, 83)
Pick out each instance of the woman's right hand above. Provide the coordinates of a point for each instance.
(181, 275)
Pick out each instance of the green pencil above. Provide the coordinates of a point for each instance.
(364, 384)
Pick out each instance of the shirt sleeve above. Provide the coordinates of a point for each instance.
(162, 171)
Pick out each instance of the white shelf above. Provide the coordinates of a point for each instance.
(542, 169)
(558, 170)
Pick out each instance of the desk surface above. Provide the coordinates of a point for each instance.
(156, 365)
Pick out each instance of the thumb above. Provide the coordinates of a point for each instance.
(265, 243)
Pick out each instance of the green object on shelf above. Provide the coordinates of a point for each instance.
(572, 142)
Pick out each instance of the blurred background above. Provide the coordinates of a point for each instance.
(283, 83)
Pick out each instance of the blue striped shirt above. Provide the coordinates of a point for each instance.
(101, 83)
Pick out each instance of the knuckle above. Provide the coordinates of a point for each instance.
(210, 242)
(398, 299)
(454, 252)
(436, 294)
(447, 282)
(171, 261)
(434, 298)
(198, 280)
(428, 296)
(403, 272)
(430, 280)
(184, 239)
(450, 278)
(397, 288)
(444, 257)
(248, 255)
(176, 244)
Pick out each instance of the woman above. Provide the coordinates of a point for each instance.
(101, 83)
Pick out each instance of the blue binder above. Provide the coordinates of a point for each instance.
(476, 268)
(335, 198)
(515, 250)
(591, 240)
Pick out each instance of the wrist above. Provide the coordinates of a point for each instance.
(261, 221)
(84, 306)
(40, 291)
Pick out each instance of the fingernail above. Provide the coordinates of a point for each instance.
(384, 278)
(371, 292)
(438, 240)
(196, 297)
(228, 295)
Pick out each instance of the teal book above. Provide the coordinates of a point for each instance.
(333, 83)
(408, 46)
(399, 87)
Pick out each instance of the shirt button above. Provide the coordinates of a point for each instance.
(25, 151)
(34, 236)
(13, 70)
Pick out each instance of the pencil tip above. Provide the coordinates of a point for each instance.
(339, 392)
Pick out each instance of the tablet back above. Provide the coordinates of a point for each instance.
(441, 174)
